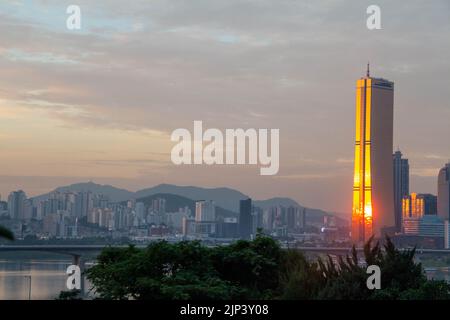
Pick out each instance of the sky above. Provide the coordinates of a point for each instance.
(100, 103)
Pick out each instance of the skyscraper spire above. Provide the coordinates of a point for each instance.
(368, 70)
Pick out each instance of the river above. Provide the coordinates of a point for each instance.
(32, 276)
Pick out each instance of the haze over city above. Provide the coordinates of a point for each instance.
(100, 103)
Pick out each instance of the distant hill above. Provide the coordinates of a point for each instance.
(226, 199)
(313, 215)
(278, 201)
(114, 194)
(174, 202)
(223, 197)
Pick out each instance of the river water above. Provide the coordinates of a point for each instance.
(33, 276)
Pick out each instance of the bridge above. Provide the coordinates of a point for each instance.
(77, 250)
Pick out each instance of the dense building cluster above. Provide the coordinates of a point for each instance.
(421, 218)
(75, 215)
(382, 202)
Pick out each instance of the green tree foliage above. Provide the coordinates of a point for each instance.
(252, 266)
(70, 295)
(257, 269)
(188, 270)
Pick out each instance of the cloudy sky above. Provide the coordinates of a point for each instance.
(100, 103)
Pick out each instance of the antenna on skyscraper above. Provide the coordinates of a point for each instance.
(368, 69)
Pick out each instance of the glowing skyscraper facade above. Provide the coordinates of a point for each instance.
(373, 190)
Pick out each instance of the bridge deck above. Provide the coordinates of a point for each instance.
(68, 248)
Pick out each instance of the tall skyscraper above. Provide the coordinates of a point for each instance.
(444, 192)
(205, 211)
(401, 186)
(296, 218)
(245, 218)
(84, 203)
(373, 185)
(140, 210)
(16, 205)
(159, 205)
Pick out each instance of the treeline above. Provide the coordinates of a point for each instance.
(257, 269)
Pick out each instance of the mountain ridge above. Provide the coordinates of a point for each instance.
(224, 197)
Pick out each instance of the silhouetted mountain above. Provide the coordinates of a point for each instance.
(223, 197)
(114, 194)
(174, 202)
(312, 215)
(277, 201)
(226, 199)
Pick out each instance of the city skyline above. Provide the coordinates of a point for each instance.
(78, 107)
(218, 157)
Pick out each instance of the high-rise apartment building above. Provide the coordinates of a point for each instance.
(245, 218)
(205, 210)
(401, 185)
(16, 204)
(444, 192)
(159, 205)
(84, 203)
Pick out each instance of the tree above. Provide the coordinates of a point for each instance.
(70, 295)
(299, 278)
(5, 233)
(401, 277)
(189, 270)
(161, 271)
(250, 265)
(257, 269)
